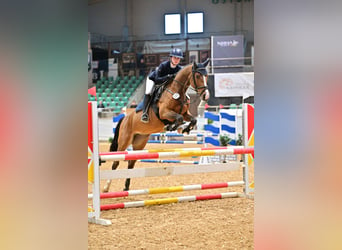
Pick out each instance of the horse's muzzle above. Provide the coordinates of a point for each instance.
(206, 95)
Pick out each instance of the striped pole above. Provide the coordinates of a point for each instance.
(169, 138)
(169, 200)
(163, 155)
(166, 150)
(168, 161)
(177, 135)
(168, 170)
(174, 142)
(161, 190)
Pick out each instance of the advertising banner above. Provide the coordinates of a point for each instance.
(226, 51)
(234, 84)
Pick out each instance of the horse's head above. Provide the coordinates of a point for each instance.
(199, 79)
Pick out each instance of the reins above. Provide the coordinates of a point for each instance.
(194, 80)
(196, 88)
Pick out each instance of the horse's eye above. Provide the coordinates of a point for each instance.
(198, 76)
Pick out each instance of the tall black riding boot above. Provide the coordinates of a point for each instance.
(144, 116)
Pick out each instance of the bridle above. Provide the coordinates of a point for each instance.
(202, 72)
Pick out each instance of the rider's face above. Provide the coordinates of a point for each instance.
(175, 60)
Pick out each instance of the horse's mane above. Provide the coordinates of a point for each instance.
(186, 67)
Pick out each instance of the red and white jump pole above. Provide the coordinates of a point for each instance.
(162, 190)
(163, 155)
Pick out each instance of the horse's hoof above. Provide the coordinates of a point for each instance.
(126, 189)
(105, 189)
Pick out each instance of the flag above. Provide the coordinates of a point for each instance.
(92, 91)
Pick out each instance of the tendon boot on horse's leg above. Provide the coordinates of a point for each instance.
(179, 120)
(190, 126)
(127, 183)
(147, 101)
(131, 164)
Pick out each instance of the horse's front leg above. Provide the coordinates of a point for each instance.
(173, 116)
(193, 121)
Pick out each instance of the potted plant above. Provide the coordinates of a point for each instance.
(224, 141)
(239, 142)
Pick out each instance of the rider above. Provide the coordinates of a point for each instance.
(165, 71)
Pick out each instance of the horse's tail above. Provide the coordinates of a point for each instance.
(114, 145)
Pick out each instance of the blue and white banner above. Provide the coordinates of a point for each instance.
(212, 139)
(215, 125)
(224, 123)
(228, 124)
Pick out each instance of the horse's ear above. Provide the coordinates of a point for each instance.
(194, 65)
(206, 62)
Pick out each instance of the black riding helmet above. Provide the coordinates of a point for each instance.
(177, 53)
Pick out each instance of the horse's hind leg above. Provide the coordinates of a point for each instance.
(139, 142)
(109, 182)
(131, 164)
(123, 142)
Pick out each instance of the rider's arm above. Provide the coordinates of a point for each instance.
(162, 73)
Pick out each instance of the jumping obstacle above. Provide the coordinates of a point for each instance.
(94, 174)
(169, 138)
(178, 135)
(168, 171)
(162, 190)
(162, 155)
(169, 200)
(174, 142)
(94, 212)
(166, 150)
(168, 161)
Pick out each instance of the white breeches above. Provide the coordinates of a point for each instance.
(149, 86)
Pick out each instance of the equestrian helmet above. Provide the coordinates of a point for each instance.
(177, 53)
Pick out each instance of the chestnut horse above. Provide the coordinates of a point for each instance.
(169, 110)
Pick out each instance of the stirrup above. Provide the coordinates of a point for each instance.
(144, 118)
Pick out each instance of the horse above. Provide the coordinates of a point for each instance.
(169, 110)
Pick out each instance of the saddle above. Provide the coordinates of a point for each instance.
(156, 94)
(157, 91)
